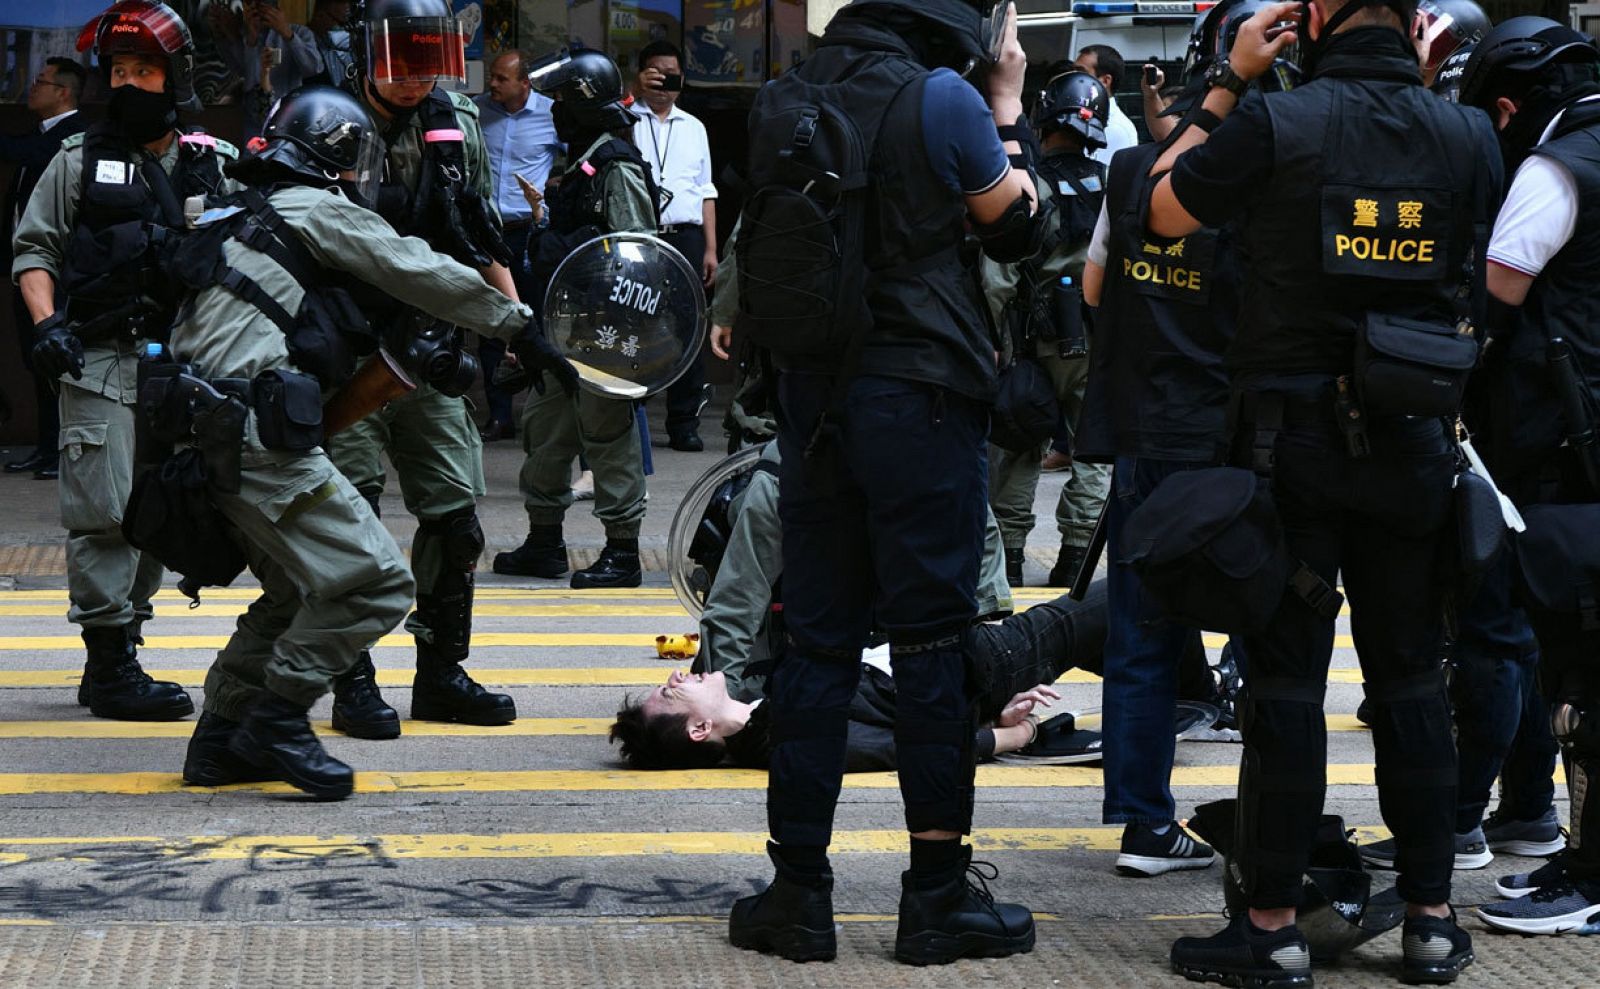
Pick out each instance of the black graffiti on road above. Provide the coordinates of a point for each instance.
(213, 877)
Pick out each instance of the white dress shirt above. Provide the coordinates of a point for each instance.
(680, 157)
(1120, 133)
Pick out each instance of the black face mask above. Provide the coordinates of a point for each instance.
(571, 128)
(1562, 86)
(141, 117)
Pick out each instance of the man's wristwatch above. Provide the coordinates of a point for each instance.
(1221, 75)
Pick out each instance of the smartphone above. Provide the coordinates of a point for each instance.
(1150, 75)
(274, 57)
(672, 83)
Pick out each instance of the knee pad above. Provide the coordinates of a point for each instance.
(460, 535)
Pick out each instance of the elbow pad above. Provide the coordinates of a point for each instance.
(1017, 235)
(1499, 320)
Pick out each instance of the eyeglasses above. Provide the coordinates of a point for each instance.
(41, 81)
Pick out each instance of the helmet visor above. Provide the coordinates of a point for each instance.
(416, 49)
(1438, 34)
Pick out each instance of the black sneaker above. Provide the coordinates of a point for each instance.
(1435, 950)
(1242, 956)
(949, 915)
(1552, 873)
(1014, 559)
(1472, 852)
(1535, 839)
(791, 918)
(1145, 853)
(1571, 905)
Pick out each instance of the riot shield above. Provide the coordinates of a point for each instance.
(701, 527)
(629, 313)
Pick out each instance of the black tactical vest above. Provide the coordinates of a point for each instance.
(1526, 425)
(929, 320)
(1156, 386)
(578, 208)
(130, 214)
(1077, 183)
(1372, 206)
(408, 209)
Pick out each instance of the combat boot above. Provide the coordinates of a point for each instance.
(135, 632)
(442, 691)
(276, 736)
(1014, 559)
(618, 566)
(542, 554)
(118, 687)
(358, 708)
(210, 762)
(1068, 562)
(792, 917)
(951, 914)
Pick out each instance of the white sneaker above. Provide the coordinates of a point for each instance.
(583, 487)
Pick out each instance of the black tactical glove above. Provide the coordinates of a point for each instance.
(58, 350)
(537, 355)
(484, 227)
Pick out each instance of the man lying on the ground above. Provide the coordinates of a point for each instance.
(693, 722)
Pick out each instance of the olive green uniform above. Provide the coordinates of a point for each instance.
(430, 438)
(332, 579)
(109, 583)
(733, 627)
(1014, 476)
(556, 427)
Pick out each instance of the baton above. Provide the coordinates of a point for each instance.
(1091, 556)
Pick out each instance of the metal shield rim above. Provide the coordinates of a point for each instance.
(687, 519)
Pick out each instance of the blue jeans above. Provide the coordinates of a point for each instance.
(1502, 720)
(1140, 691)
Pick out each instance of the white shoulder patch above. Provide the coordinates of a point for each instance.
(113, 172)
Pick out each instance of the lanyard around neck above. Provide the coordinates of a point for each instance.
(655, 143)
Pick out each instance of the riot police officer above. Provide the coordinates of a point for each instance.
(1441, 28)
(1037, 307)
(94, 235)
(606, 188)
(862, 540)
(1540, 82)
(1155, 405)
(263, 327)
(437, 187)
(1360, 228)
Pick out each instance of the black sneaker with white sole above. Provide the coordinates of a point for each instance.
(1434, 950)
(1552, 873)
(1572, 905)
(1240, 955)
(1146, 853)
(1534, 839)
(1472, 852)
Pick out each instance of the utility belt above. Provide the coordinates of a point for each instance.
(1052, 313)
(121, 324)
(178, 406)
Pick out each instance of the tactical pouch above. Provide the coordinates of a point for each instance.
(288, 408)
(170, 516)
(1558, 561)
(1025, 409)
(1409, 367)
(1209, 548)
(1480, 526)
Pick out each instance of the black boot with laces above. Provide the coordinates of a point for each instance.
(951, 914)
(792, 918)
(359, 709)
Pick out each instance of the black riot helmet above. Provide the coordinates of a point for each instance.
(409, 41)
(1443, 26)
(1212, 38)
(145, 27)
(953, 34)
(587, 87)
(1074, 101)
(1447, 79)
(320, 135)
(1523, 53)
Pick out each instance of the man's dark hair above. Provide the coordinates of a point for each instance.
(656, 49)
(70, 74)
(662, 742)
(1107, 62)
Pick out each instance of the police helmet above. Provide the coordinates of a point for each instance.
(323, 134)
(145, 27)
(1075, 101)
(588, 85)
(411, 41)
(1442, 26)
(1447, 80)
(1213, 35)
(1516, 52)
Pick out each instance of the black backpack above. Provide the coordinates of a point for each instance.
(802, 247)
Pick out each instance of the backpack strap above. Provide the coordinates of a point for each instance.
(261, 228)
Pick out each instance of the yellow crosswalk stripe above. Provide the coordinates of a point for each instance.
(538, 845)
(540, 727)
(641, 640)
(483, 593)
(582, 780)
(481, 610)
(588, 676)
